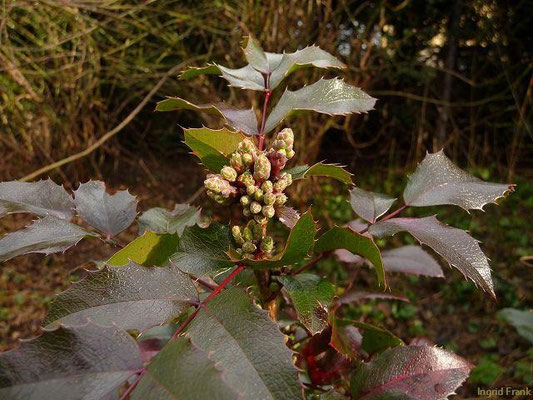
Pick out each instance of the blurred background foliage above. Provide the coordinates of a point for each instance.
(448, 73)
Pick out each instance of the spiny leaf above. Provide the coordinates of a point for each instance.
(375, 338)
(245, 343)
(84, 362)
(183, 371)
(345, 338)
(192, 72)
(344, 238)
(299, 243)
(456, 246)
(438, 181)
(149, 249)
(255, 55)
(288, 216)
(369, 205)
(244, 78)
(311, 297)
(356, 296)
(329, 96)
(46, 235)
(213, 146)
(242, 120)
(414, 372)
(160, 220)
(320, 169)
(521, 320)
(110, 214)
(411, 260)
(202, 251)
(131, 296)
(41, 198)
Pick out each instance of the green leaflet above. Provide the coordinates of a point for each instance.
(320, 169)
(345, 238)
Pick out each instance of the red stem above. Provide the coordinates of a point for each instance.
(310, 263)
(133, 385)
(386, 217)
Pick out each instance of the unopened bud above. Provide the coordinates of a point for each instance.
(255, 207)
(247, 159)
(290, 154)
(283, 152)
(258, 195)
(246, 146)
(237, 235)
(267, 186)
(287, 135)
(247, 234)
(280, 199)
(267, 244)
(268, 211)
(250, 190)
(258, 232)
(239, 252)
(228, 173)
(269, 199)
(246, 179)
(278, 144)
(236, 162)
(246, 212)
(245, 200)
(262, 168)
(249, 247)
(261, 219)
(283, 182)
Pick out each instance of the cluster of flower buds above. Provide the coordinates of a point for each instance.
(255, 178)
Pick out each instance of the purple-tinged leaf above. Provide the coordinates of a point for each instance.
(369, 205)
(41, 198)
(345, 338)
(413, 372)
(438, 181)
(244, 78)
(320, 169)
(131, 297)
(348, 257)
(84, 362)
(288, 216)
(213, 146)
(110, 214)
(456, 246)
(242, 120)
(421, 341)
(521, 320)
(47, 235)
(247, 345)
(311, 296)
(357, 225)
(182, 370)
(411, 260)
(345, 238)
(356, 296)
(328, 96)
(160, 220)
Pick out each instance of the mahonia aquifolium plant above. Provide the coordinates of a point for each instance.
(189, 309)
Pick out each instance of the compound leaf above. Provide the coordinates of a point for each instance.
(202, 251)
(521, 320)
(247, 345)
(149, 249)
(437, 181)
(212, 146)
(456, 246)
(84, 362)
(311, 296)
(131, 296)
(41, 198)
(413, 372)
(329, 96)
(369, 205)
(411, 260)
(46, 235)
(183, 371)
(110, 214)
(345, 238)
(242, 120)
(320, 169)
(299, 243)
(161, 220)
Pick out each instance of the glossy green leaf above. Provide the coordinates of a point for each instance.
(149, 249)
(375, 338)
(242, 120)
(311, 296)
(41, 198)
(247, 345)
(84, 362)
(192, 72)
(130, 296)
(161, 220)
(297, 247)
(213, 146)
(320, 169)
(328, 96)
(202, 251)
(183, 371)
(47, 235)
(345, 238)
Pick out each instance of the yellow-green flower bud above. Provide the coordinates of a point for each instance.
(287, 135)
(246, 146)
(239, 252)
(258, 232)
(250, 189)
(262, 168)
(228, 173)
(247, 234)
(237, 235)
(278, 144)
(267, 186)
(236, 162)
(255, 207)
(258, 195)
(246, 179)
(280, 199)
(267, 244)
(283, 182)
(283, 152)
(260, 219)
(249, 247)
(268, 211)
(245, 201)
(290, 154)
(269, 199)
(246, 212)
(247, 159)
